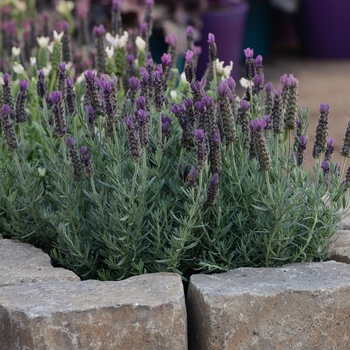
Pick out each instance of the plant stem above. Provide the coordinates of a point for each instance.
(200, 182)
(342, 168)
(53, 80)
(181, 155)
(63, 148)
(21, 133)
(134, 180)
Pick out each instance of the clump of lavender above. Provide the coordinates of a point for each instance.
(66, 45)
(58, 114)
(99, 32)
(143, 120)
(259, 69)
(73, 155)
(321, 131)
(215, 153)
(292, 104)
(191, 182)
(189, 67)
(92, 94)
(277, 112)
(213, 190)
(111, 109)
(300, 157)
(268, 98)
(263, 154)
(86, 160)
(258, 82)
(71, 98)
(201, 148)
(133, 136)
(7, 97)
(41, 86)
(117, 25)
(226, 114)
(190, 37)
(20, 110)
(61, 82)
(329, 150)
(7, 128)
(187, 128)
(166, 130)
(249, 63)
(345, 148)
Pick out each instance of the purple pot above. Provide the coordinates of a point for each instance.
(227, 23)
(325, 28)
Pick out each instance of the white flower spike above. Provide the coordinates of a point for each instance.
(43, 41)
(57, 37)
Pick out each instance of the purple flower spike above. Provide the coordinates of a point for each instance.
(245, 105)
(189, 56)
(258, 80)
(23, 85)
(149, 3)
(141, 102)
(5, 110)
(6, 78)
(214, 180)
(193, 173)
(189, 32)
(267, 119)
(172, 40)
(231, 83)
(278, 91)
(208, 101)
(199, 134)
(284, 80)
(144, 73)
(129, 122)
(303, 139)
(269, 87)
(106, 85)
(257, 125)
(134, 83)
(248, 52)
(166, 59)
(222, 89)
(90, 75)
(56, 97)
(292, 81)
(70, 142)
(325, 167)
(324, 108)
(69, 82)
(258, 60)
(330, 142)
(116, 4)
(83, 150)
(200, 106)
(65, 26)
(211, 38)
(62, 66)
(99, 31)
(216, 136)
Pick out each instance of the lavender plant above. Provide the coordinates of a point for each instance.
(199, 185)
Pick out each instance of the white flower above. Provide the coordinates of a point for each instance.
(140, 43)
(46, 70)
(109, 51)
(1, 80)
(244, 82)
(221, 70)
(228, 70)
(16, 51)
(81, 78)
(57, 37)
(117, 41)
(33, 61)
(18, 68)
(173, 95)
(50, 47)
(43, 41)
(183, 77)
(64, 7)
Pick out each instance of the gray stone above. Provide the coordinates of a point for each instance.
(339, 250)
(22, 263)
(299, 306)
(344, 224)
(142, 312)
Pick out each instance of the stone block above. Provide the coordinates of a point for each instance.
(339, 250)
(299, 306)
(142, 312)
(22, 263)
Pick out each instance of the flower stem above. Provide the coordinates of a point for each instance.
(53, 80)
(63, 148)
(134, 180)
(342, 168)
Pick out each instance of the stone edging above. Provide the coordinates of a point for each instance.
(300, 306)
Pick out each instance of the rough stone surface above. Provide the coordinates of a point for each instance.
(22, 263)
(299, 306)
(142, 312)
(344, 224)
(340, 249)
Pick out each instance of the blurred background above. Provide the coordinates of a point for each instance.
(307, 38)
